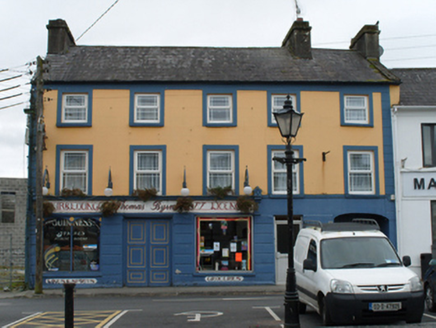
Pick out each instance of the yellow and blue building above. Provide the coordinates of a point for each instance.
(121, 122)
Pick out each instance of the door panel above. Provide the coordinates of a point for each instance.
(148, 253)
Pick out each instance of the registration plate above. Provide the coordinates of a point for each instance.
(388, 306)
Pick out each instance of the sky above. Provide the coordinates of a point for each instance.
(408, 37)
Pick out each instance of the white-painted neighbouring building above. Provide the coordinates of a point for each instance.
(414, 142)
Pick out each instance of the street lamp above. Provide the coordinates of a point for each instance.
(288, 121)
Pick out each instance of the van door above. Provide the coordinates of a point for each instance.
(307, 288)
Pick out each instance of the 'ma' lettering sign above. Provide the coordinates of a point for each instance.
(419, 184)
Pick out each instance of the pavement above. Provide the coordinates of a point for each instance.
(150, 291)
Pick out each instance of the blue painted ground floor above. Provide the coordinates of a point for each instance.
(149, 244)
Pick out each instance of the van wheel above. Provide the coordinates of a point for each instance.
(429, 299)
(326, 319)
(302, 308)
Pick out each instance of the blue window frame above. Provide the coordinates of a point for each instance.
(357, 109)
(275, 98)
(277, 172)
(74, 166)
(219, 108)
(148, 168)
(74, 107)
(361, 170)
(147, 106)
(220, 166)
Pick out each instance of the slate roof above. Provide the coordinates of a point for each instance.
(207, 64)
(418, 87)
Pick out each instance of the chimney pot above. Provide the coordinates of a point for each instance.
(366, 42)
(298, 39)
(59, 37)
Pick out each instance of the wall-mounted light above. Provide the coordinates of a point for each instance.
(109, 191)
(45, 182)
(247, 189)
(185, 190)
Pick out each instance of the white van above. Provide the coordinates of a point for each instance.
(350, 272)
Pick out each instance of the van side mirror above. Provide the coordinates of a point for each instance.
(308, 264)
(407, 261)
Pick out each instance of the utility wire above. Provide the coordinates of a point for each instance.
(381, 39)
(97, 20)
(23, 102)
(13, 96)
(11, 78)
(11, 88)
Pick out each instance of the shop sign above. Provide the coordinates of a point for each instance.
(419, 184)
(156, 206)
(224, 279)
(77, 281)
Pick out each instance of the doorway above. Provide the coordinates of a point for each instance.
(147, 253)
(281, 243)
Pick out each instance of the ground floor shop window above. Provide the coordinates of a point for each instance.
(224, 244)
(71, 244)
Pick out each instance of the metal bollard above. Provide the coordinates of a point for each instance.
(69, 305)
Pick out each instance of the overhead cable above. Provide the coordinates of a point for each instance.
(97, 20)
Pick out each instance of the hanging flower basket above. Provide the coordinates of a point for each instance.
(184, 204)
(145, 194)
(47, 209)
(220, 192)
(246, 204)
(72, 193)
(109, 207)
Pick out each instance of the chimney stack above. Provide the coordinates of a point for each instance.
(59, 37)
(366, 42)
(298, 40)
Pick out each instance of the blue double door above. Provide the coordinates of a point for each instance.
(147, 253)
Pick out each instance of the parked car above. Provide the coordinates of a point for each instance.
(351, 273)
(430, 286)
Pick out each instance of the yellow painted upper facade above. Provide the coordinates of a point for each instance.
(184, 136)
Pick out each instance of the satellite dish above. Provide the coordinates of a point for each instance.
(381, 51)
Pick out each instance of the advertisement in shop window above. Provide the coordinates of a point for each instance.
(71, 244)
(224, 244)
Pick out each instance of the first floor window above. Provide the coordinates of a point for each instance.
(147, 108)
(356, 109)
(72, 244)
(74, 170)
(279, 175)
(75, 108)
(148, 170)
(221, 169)
(7, 207)
(429, 145)
(219, 109)
(224, 244)
(361, 172)
(277, 102)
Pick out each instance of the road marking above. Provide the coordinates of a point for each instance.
(213, 299)
(430, 316)
(21, 320)
(98, 319)
(112, 319)
(271, 312)
(195, 316)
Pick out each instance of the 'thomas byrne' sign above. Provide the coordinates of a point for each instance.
(156, 206)
(419, 184)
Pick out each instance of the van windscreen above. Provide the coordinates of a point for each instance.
(358, 252)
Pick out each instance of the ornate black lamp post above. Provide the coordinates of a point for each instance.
(288, 121)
